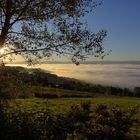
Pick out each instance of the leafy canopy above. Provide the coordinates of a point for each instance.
(37, 29)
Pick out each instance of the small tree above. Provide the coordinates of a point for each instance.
(40, 28)
(137, 91)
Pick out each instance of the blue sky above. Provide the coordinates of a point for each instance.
(121, 18)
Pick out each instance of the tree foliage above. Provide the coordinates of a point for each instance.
(37, 29)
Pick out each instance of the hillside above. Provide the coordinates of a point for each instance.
(37, 82)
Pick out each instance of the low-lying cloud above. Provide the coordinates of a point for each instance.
(122, 75)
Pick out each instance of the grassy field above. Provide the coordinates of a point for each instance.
(23, 112)
(62, 105)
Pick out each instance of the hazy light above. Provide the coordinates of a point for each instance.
(121, 75)
(2, 51)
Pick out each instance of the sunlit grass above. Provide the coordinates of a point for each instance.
(62, 105)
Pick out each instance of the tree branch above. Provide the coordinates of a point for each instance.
(34, 50)
(20, 14)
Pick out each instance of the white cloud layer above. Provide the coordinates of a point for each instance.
(122, 75)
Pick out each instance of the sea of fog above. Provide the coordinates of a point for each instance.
(121, 75)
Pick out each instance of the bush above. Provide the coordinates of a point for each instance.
(45, 95)
(103, 124)
(79, 123)
(111, 123)
(137, 91)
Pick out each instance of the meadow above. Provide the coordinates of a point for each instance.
(62, 105)
(60, 118)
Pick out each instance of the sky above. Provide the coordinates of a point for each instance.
(121, 19)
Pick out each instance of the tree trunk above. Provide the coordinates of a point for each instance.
(6, 26)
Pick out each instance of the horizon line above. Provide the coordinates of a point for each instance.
(84, 62)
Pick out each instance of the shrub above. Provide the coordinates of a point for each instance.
(46, 95)
(79, 123)
(111, 123)
(137, 91)
(103, 124)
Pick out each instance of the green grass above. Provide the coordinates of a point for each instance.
(62, 105)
